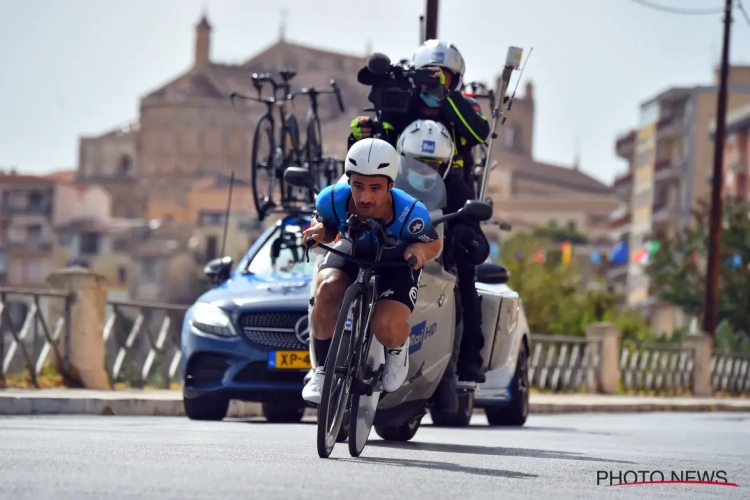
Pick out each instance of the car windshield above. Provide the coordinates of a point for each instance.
(282, 254)
(419, 178)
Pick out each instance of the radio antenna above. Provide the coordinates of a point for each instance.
(499, 112)
(226, 215)
(513, 96)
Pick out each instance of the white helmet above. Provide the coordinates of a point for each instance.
(372, 157)
(426, 151)
(441, 54)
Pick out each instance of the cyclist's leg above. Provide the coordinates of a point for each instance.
(334, 277)
(470, 354)
(397, 295)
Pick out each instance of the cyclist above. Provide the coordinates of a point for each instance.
(371, 166)
(428, 143)
(442, 102)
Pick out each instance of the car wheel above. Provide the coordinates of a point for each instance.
(461, 418)
(518, 411)
(206, 407)
(283, 413)
(403, 432)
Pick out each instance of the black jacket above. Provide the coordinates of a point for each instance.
(461, 115)
(458, 193)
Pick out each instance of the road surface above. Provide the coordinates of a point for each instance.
(554, 456)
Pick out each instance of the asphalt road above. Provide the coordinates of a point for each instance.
(552, 456)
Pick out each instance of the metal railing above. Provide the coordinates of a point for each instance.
(29, 333)
(652, 367)
(563, 364)
(730, 372)
(143, 349)
(142, 343)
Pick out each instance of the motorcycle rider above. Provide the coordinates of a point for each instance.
(371, 166)
(463, 118)
(442, 102)
(428, 144)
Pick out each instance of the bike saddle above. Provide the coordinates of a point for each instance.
(287, 75)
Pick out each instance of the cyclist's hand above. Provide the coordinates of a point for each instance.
(317, 232)
(362, 127)
(415, 250)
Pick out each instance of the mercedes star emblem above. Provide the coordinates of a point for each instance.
(302, 330)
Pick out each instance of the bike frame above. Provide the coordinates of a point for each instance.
(365, 273)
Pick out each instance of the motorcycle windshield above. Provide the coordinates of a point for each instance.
(420, 178)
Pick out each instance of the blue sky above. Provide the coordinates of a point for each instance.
(78, 67)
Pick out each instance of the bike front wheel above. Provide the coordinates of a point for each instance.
(339, 371)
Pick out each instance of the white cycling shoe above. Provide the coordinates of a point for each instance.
(396, 367)
(314, 388)
(394, 374)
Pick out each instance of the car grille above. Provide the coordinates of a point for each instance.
(274, 330)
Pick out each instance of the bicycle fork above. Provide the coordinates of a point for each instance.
(365, 378)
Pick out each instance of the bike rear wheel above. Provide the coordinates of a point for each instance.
(263, 175)
(338, 378)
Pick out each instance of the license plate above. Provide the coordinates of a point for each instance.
(289, 360)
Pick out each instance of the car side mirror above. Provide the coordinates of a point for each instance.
(218, 270)
(477, 210)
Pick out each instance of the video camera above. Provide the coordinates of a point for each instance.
(393, 85)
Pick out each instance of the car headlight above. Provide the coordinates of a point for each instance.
(212, 320)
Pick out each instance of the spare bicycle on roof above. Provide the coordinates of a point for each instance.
(273, 152)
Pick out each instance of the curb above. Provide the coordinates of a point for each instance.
(170, 404)
(547, 408)
(122, 406)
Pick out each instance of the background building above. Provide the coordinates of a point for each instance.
(670, 157)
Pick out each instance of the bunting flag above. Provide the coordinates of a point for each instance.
(619, 253)
(733, 262)
(695, 258)
(566, 251)
(640, 256)
(494, 250)
(596, 257)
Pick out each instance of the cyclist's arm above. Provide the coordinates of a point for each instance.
(325, 213)
(419, 231)
(466, 114)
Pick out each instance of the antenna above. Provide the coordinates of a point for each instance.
(226, 216)
(512, 62)
(282, 23)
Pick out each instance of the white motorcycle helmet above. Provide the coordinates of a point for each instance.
(372, 157)
(443, 55)
(426, 152)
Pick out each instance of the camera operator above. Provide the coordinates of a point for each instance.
(443, 102)
(440, 101)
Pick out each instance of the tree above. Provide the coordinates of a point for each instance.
(555, 298)
(678, 268)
